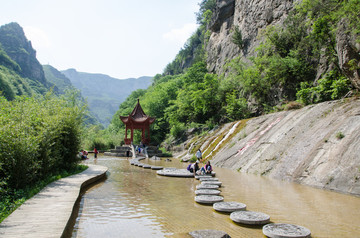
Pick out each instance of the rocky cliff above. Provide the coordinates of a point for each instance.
(250, 16)
(253, 16)
(14, 42)
(318, 145)
(20, 50)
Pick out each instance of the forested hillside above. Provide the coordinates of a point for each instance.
(244, 62)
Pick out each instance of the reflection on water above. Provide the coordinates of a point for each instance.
(136, 202)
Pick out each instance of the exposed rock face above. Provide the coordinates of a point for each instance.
(318, 145)
(250, 16)
(14, 42)
(348, 53)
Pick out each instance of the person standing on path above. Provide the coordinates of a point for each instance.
(95, 152)
(199, 155)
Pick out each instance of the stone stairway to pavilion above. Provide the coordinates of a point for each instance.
(125, 151)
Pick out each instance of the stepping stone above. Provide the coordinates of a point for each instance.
(136, 164)
(250, 218)
(156, 167)
(140, 165)
(208, 199)
(146, 166)
(212, 183)
(207, 192)
(208, 179)
(206, 186)
(229, 206)
(282, 230)
(175, 173)
(208, 234)
(202, 176)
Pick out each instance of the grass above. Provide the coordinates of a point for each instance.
(13, 199)
(340, 135)
(238, 128)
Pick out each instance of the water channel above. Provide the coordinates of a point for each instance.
(136, 202)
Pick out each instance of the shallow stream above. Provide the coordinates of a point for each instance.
(136, 202)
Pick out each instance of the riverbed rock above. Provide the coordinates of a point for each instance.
(282, 230)
(155, 158)
(209, 234)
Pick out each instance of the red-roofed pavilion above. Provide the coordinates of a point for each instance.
(137, 120)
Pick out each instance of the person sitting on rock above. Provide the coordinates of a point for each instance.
(207, 169)
(193, 168)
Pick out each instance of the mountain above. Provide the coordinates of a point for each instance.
(57, 78)
(21, 71)
(104, 94)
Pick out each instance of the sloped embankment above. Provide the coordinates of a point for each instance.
(318, 145)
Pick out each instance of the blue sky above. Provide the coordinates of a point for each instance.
(119, 38)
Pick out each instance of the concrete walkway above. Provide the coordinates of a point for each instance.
(48, 213)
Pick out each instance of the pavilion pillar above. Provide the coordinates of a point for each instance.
(126, 132)
(132, 134)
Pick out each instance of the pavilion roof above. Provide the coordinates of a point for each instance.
(137, 115)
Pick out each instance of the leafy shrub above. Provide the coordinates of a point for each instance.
(340, 135)
(177, 130)
(237, 38)
(332, 86)
(293, 106)
(38, 136)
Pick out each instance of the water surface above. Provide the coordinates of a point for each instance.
(136, 202)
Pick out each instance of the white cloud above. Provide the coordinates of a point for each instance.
(38, 37)
(180, 35)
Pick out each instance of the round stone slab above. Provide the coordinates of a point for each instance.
(218, 183)
(202, 176)
(208, 199)
(146, 166)
(208, 234)
(208, 179)
(229, 206)
(250, 218)
(207, 192)
(156, 167)
(206, 186)
(175, 173)
(282, 230)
